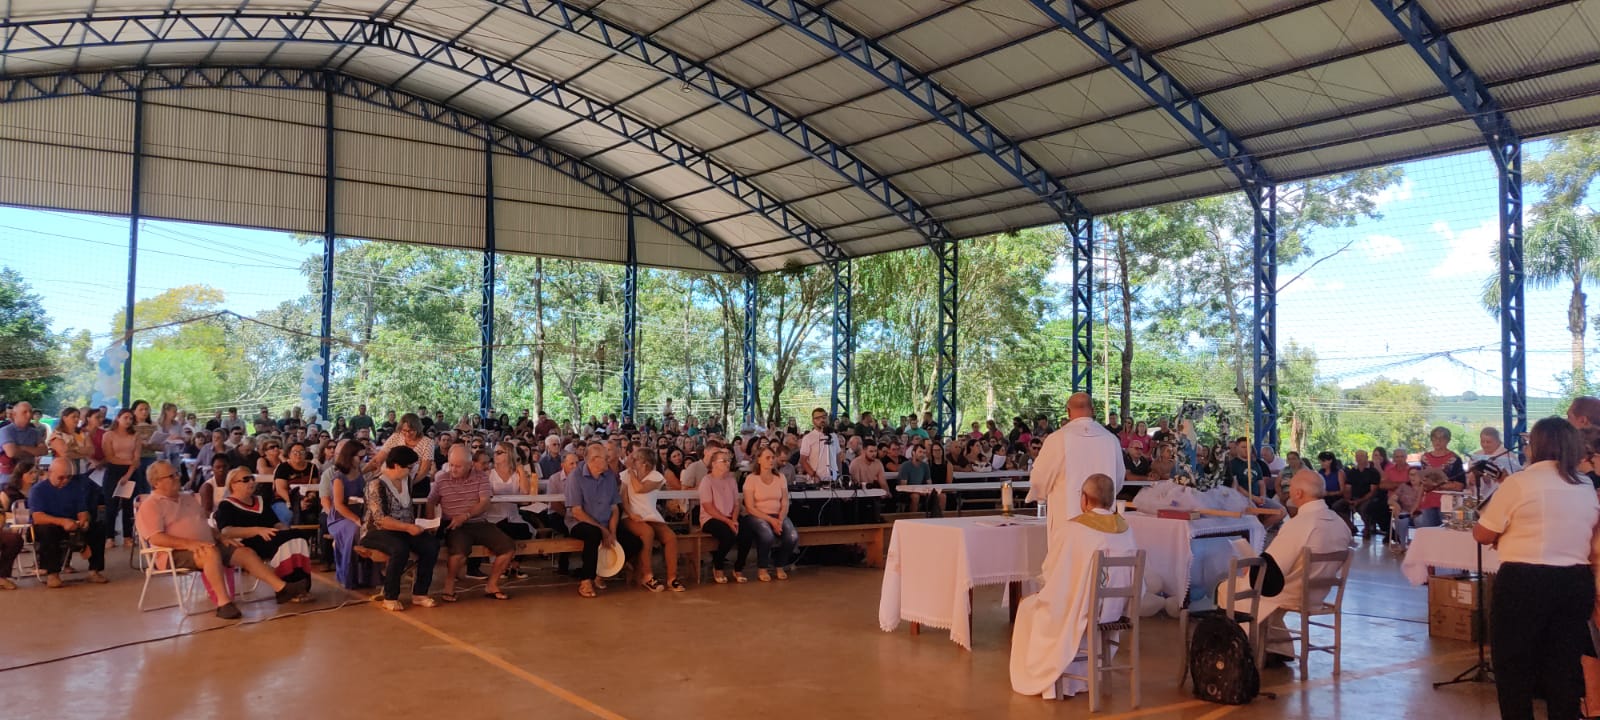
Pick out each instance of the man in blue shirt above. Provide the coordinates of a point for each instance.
(593, 492)
(61, 509)
(22, 439)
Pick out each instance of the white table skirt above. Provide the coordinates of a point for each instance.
(934, 563)
(1445, 548)
(1168, 545)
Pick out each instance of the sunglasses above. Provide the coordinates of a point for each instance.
(244, 479)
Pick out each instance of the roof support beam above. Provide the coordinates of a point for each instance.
(271, 28)
(926, 93)
(121, 82)
(1098, 33)
(752, 315)
(945, 255)
(1505, 146)
(641, 47)
(844, 342)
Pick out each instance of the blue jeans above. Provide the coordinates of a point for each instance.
(766, 539)
(1427, 518)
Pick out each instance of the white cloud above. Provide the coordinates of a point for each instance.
(1379, 247)
(1470, 252)
(1398, 192)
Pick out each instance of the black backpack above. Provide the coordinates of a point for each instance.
(1222, 663)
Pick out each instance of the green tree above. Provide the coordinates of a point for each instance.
(26, 343)
(1561, 246)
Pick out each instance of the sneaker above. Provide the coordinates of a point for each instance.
(292, 590)
(96, 578)
(653, 585)
(229, 612)
(477, 574)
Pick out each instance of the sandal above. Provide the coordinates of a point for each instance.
(586, 589)
(763, 575)
(783, 574)
(448, 597)
(497, 595)
(653, 585)
(719, 577)
(739, 577)
(424, 601)
(677, 585)
(393, 605)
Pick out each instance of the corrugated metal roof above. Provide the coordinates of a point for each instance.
(1308, 86)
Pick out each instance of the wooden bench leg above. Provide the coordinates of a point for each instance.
(916, 629)
(1014, 590)
(875, 551)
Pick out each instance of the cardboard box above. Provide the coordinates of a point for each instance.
(1456, 591)
(1454, 623)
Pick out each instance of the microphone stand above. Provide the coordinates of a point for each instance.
(1480, 672)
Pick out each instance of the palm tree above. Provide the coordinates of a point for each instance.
(1561, 246)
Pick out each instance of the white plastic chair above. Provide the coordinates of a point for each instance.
(1324, 573)
(20, 521)
(1098, 648)
(152, 557)
(1227, 598)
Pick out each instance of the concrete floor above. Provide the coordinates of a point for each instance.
(806, 648)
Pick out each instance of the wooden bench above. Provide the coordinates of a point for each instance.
(537, 546)
(875, 536)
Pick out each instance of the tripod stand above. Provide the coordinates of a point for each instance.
(1480, 672)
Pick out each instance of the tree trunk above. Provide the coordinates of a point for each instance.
(1229, 290)
(1126, 396)
(538, 334)
(1578, 325)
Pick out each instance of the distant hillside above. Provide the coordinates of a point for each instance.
(1484, 409)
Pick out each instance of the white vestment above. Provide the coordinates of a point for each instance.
(1052, 624)
(1316, 527)
(1070, 455)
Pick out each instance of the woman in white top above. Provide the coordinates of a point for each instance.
(640, 483)
(506, 477)
(1542, 520)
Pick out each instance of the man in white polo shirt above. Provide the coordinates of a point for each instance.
(819, 450)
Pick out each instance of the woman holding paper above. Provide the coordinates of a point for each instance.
(121, 447)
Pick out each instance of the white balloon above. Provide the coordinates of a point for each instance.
(1150, 604)
(1153, 584)
(1174, 605)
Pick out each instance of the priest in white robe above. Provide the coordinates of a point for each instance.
(1315, 526)
(1052, 624)
(1079, 449)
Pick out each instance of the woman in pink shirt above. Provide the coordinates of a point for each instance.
(719, 515)
(766, 517)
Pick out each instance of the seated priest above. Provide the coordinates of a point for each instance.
(1052, 624)
(1315, 526)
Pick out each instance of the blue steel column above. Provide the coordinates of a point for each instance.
(1433, 46)
(751, 315)
(1264, 406)
(1513, 360)
(844, 339)
(133, 243)
(329, 219)
(630, 325)
(1082, 232)
(944, 395)
(486, 312)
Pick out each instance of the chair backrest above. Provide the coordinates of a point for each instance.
(1232, 594)
(1116, 577)
(1324, 572)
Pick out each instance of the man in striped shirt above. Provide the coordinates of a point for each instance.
(463, 493)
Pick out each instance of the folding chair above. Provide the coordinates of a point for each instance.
(1324, 573)
(1098, 649)
(20, 521)
(1227, 599)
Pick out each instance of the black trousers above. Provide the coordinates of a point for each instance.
(727, 539)
(400, 547)
(592, 536)
(55, 542)
(1538, 618)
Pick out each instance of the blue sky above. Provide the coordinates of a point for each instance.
(1408, 285)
